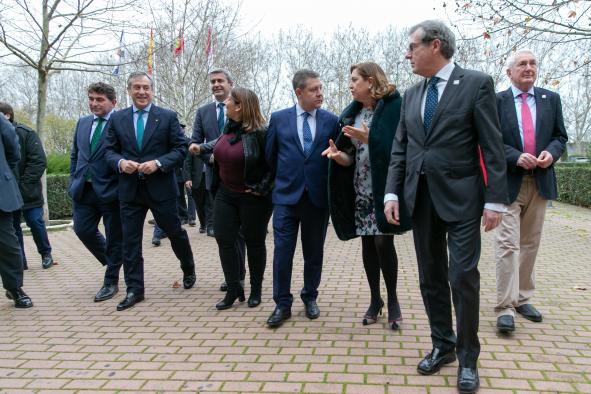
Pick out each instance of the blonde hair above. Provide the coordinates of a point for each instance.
(252, 118)
(380, 86)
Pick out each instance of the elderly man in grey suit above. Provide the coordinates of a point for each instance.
(434, 166)
(535, 137)
(11, 258)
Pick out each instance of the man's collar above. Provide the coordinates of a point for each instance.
(444, 73)
(300, 110)
(517, 92)
(106, 117)
(135, 109)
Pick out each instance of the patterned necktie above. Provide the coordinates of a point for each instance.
(430, 102)
(527, 126)
(221, 117)
(139, 128)
(307, 131)
(96, 136)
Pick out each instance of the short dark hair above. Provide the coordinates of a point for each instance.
(139, 74)
(300, 78)
(222, 71)
(103, 88)
(437, 30)
(6, 109)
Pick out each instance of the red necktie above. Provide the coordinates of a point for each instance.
(527, 125)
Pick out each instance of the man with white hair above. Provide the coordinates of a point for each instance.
(534, 136)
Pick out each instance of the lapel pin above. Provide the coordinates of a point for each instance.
(543, 96)
(456, 82)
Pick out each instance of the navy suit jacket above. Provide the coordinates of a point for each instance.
(205, 129)
(10, 154)
(163, 141)
(550, 136)
(82, 163)
(295, 172)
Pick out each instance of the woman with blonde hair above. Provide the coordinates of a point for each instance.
(242, 200)
(357, 179)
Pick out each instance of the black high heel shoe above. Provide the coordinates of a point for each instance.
(233, 293)
(394, 315)
(371, 316)
(254, 299)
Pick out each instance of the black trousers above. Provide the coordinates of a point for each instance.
(202, 202)
(236, 212)
(11, 258)
(133, 215)
(437, 273)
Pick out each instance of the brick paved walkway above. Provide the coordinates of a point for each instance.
(177, 341)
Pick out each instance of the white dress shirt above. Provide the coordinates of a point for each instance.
(95, 122)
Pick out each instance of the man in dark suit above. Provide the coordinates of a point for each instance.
(145, 144)
(195, 182)
(11, 259)
(535, 138)
(295, 140)
(209, 124)
(93, 188)
(28, 174)
(434, 166)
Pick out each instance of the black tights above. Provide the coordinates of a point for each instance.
(378, 252)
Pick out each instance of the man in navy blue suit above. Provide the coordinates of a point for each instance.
(93, 188)
(295, 139)
(145, 144)
(11, 259)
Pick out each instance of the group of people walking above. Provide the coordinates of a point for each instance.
(436, 160)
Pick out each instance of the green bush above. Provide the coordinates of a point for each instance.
(58, 163)
(58, 200)
(574, 183)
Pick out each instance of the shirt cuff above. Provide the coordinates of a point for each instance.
(390, 197)
(495, 206)
(158, 163)
(119, 165)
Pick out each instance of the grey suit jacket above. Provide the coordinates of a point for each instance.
(205, 129)
(447, 153)
(10, 196)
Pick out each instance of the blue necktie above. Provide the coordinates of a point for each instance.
(139, 128)
(430, 102)
(307, 134)
(221, 117)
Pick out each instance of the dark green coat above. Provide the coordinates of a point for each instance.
(341, 192)
(31, 166)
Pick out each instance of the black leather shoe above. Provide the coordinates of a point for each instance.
(433, 361)
(468, 381)
(46, 261)
(312, 310)
(505, 324)
(189, 280)
(20, 298)
(529, 312)
(224, 286)
(184, 222)
(202, 230)
(278, 317)
(106, 292)
(192, 222)
(130, 300)
(210, 232)
(254, 299)
(155, 241)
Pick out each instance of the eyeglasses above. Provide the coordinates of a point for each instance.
(413, 46)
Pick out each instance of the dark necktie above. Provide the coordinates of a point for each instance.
(307, 131)
(96, 136)
(221, 117)
(430, 102)
(139, 128)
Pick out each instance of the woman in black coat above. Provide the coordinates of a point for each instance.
(357, 178)
(242, 200)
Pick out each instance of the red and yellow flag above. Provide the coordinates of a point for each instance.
(179, 44)
(151, 53)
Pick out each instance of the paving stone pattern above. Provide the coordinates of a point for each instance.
(176, 341)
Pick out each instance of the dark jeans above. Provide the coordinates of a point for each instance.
(11, 257)
(235, 212)
(34, 219)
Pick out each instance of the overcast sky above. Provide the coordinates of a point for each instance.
(323, 16)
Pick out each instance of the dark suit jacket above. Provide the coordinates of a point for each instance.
(31, 166)
(448, 153)
(10, 196)
(82, 162)
(193, 170)
(205, 129)
(294, 171)
(163, 141)
(550, 136)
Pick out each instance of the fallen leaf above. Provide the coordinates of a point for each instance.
(176, 284)
(486, 35)
(579, 288)
(572, 14)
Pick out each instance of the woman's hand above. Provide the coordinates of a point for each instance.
(361, 134)
(334, 154)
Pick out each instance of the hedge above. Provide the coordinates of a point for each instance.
(574, 184)
(58, 163)
(58, 200)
